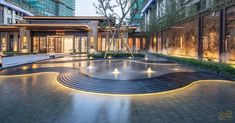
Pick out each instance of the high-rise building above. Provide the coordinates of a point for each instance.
(47, 7)
(11, 14)
(137, 17)
(200, 29)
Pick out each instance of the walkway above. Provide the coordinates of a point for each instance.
(25, 59)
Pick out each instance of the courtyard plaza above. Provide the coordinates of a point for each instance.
(63, 90)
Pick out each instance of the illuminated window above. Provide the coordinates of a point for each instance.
(230, 36)
(137, 42)
(130, 43)
(211, 36)
(103, 44)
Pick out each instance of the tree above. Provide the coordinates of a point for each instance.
(108, 9)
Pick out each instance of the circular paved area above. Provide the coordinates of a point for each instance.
(72, 77)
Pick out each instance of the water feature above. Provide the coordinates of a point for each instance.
(123, 69)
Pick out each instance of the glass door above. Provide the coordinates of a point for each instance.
(50, 44)
(81, 44)
(54, 44)
(77, 44)
(58, 45)
(84, 44)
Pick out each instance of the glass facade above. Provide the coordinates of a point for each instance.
(180, 40)
(135, 43)
(137, 18)
(47, 7)
(230, 35)
(211, 36)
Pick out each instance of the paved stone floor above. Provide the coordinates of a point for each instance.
(24, 59)
(40, 98)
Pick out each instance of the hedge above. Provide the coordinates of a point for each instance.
(204, 65)
(115, 55)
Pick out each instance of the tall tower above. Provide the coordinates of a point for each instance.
(47, 7)
(137, 18)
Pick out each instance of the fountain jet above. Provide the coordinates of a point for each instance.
(116, 71)
(90, 67)
(146, 58)
(149, 70)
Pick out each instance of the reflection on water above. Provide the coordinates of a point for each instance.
(127, 69)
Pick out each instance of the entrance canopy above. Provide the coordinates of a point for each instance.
(45, 27)
(40, 23)
(7, 28)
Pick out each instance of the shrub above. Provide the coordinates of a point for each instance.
(204, 65)
(115, 55)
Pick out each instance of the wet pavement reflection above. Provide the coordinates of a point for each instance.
(40, 98)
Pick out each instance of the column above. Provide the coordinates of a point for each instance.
(25, 40)
(222, 35)
(200, 38)
(93, 36)
(4, 41)
(107, 41)
(15, 44)
(141, 43)
(134, 43)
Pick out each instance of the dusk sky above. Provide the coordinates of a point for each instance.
(85, 8)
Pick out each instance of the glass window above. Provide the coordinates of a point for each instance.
(137, 43)
(179, 40)
(211, 36)
(159, 42)
(1, 14)
(230, 35)
(9, 11)
(43, 44)
(9, 20)
(35, 44)
(99, 42)
(103, 43)
(130, 43)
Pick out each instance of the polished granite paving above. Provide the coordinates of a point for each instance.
(42, 98)
(39, 98)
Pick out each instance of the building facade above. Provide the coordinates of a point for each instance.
(11, 14)
(137, 18)
(201, 29)
(36, 34)
(47, 7)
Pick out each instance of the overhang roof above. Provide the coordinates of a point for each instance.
(5, 28)
(150, 2)
(64, 17)
(46, 27)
